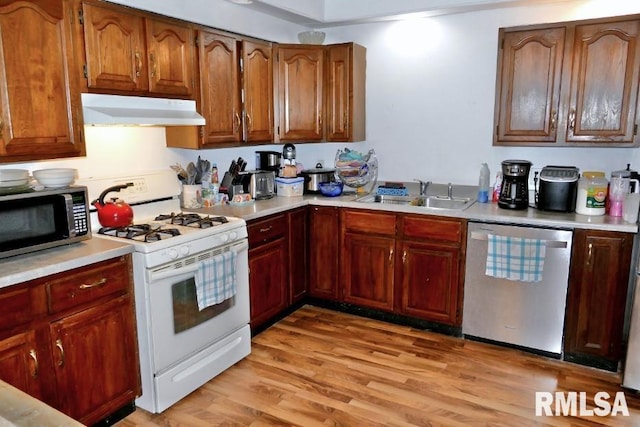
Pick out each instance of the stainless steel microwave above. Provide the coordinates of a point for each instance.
(39, 220)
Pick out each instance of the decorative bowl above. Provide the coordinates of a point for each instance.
(55, 177)
(311, 37)
(331, 189)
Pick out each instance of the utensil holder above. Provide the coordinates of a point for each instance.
(191, 197)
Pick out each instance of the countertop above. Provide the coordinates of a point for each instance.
(21, 268)
(483, 212)
(19, 409)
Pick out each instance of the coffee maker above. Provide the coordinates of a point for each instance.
(514, 193)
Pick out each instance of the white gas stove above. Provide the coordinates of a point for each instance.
(181, 346)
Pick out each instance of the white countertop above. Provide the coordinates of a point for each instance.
(483, 212)
(21, 268)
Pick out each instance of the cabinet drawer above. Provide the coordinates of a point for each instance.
(87, 284)
(431, 228)
(266, 230)
(369, 222)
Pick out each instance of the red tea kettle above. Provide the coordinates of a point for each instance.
(115, 213)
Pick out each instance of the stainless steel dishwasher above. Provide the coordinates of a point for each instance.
(524, 314)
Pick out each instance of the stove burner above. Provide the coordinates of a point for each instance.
(192, 219)
(149, 233)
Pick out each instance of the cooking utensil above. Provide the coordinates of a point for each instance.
(115, 213)
(191, 173)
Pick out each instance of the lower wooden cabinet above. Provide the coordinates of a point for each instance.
(268, 265)
(598, 283)
(324, 256)
(78, 351)
(298, 254)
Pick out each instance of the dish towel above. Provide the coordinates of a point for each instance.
(216, 279)
(515, 258)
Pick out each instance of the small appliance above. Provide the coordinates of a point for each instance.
(314, 177)
(268, 160)
(36, 220)
(260, 184)
(514, 193)
(558, 187)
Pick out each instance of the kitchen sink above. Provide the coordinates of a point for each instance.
(430, 202)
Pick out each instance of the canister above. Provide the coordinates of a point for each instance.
(592, 194)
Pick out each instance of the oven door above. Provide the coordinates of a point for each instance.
(178, 328)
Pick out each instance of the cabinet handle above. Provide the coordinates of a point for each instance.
(404, 257)
(589, 254)
(153, 65)
(138, 63)
(238, 121)
(264, 230)
(249, 122)
(34, 356)
(572, 119)
(1, 128)
(59, 345)
(390, 256)
(554, 115)
(94, 284)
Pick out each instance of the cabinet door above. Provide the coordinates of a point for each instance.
(257, 72)
(300, 93)
(19, 362)
(171, 57)
(430, 282)
(344, 80)
(220, 103)
(96, 361)
(604, 83)
(298, 255)
(528, 86)
(324, 235)
(38, 101)
(367, 270)
(597, 294)
(115, 49)
(268, 282)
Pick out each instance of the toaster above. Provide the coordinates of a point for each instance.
(260, 184)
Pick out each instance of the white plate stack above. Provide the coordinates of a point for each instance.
(13, 177)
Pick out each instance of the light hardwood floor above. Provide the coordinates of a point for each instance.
(318, 367)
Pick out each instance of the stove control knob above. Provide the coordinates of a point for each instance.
(184, 250)
(173, 254)
(233, 235)
(224, 238)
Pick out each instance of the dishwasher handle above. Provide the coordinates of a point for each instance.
(477, 235)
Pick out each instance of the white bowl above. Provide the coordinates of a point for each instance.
(13, 177)
(311, 37)
(55, 177)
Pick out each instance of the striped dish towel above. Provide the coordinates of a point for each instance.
(216, 279)
(515, 258)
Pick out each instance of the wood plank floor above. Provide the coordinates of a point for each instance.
(318, 367)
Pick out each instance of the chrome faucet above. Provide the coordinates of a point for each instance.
(450, 191)
(424, 186)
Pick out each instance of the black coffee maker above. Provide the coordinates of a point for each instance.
(514, 193)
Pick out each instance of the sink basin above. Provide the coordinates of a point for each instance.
(430, 202)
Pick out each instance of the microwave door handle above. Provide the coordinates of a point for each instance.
(71, 223)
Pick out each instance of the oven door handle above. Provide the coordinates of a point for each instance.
(153, 276)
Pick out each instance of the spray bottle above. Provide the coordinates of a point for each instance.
(483, 184)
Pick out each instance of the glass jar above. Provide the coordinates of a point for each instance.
(592, 194)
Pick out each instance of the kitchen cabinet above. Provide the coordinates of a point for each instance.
(571, 83)
(368, 254)
(78, 349)
(39, 102)
(231, 70)
(324, 258)
(431, 276)
(598, 281)
(344, 104)
(129, 51)
(298, 254)
(268, 265)
(300, 92)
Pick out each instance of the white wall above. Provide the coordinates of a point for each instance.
(429, 107)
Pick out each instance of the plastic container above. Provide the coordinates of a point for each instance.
(497, 186)
(483, 184)
(289, 187)
(592, 194)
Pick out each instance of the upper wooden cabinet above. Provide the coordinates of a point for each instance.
(344, 104)
(569, 84)
(39, 103)
(257, 84)
(300, 92)
(131, 52)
